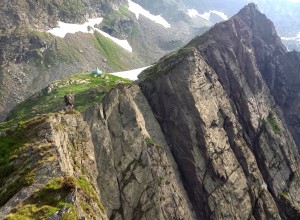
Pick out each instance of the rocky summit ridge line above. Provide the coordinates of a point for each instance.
(206, 133)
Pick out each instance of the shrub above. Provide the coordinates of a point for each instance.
(6, 170)
(272, 121)
(69, 183)
(149, 142)
(28, 179)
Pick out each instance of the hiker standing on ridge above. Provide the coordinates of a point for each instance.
(69, 100)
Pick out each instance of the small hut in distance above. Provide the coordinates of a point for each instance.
(96, 72)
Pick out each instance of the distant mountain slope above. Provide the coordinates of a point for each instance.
(44, 14)
(33, 59)
(30, 58)
(284, 13)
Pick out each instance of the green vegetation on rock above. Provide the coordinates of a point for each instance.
(86, 88)
(150, 143)
(111, 18)
(44, 58)
(90, 192)
(272, 121)
(23, 158)
(71, 8)
(16, 168)
(166, 64)
(45, 202)
(21, 154)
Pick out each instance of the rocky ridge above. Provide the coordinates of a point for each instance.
(139, 178)
(219, 74)
(204, 134)
(53, 172)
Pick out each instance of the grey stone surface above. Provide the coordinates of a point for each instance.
(226, 131)
(138, 177)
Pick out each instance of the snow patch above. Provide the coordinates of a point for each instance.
(122, 43)
(66, 28)
(130, 74)
(194, 13)
(88, 27)
(137, 10)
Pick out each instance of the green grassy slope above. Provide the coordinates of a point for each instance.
(86, 88)
(21, 155)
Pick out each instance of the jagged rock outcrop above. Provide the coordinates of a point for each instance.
(217, 112)
(254, 52)
(126, 154)
(138, 178)
(220, 171)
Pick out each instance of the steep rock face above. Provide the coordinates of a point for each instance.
(118, 154)
(225, 130)
(253, 52)
(279, 68)
(219, 170)
(138, 177)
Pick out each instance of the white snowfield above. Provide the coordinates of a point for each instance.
(137, 10)
(194, 13)
(122, 43)
(130, 74)
(66, 28)
(88, 27)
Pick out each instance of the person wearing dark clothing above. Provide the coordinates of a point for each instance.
(69, 100)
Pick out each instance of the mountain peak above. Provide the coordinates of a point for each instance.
(250, 12)
(248, 25)
(258, 24)
(252, 7)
